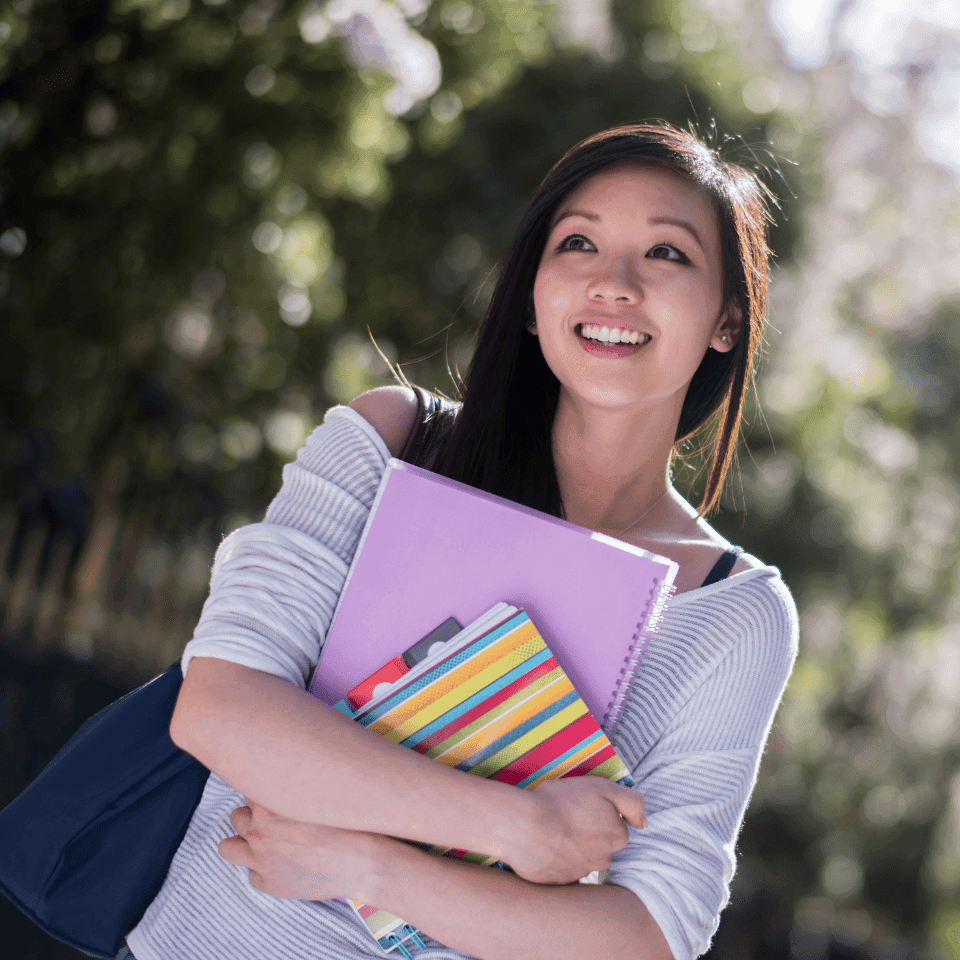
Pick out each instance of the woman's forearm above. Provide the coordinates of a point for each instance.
(283, 748)
(491, 914)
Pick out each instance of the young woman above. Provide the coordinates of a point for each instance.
(627, 315)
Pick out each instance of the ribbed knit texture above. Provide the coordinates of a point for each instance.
(692, 727)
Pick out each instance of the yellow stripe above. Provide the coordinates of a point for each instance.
(612, 769)
(497, 711)
(579, 757)
(489, 861)
(382, 922)
(445, 696)
(480, 858)
(469, 686)
(509, 721)
(525, 633)
(506, 756)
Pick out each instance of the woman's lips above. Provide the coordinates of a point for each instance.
(609, 350)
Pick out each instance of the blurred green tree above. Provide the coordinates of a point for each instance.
(206, 205)
(851, 486)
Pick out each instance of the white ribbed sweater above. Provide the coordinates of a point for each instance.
(692, 728)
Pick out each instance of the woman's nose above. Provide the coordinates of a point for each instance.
(615, 284)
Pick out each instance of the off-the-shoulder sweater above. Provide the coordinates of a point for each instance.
(692, 729)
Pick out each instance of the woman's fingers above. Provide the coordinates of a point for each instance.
(236, 850)
(295, 860)
(240, 818)
(629, 805)
(582, 822)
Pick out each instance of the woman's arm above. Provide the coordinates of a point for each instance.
(480, 911)
(491, 914)
(291, 753)
(305, 761)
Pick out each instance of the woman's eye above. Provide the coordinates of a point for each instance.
(575, 242)
(663, 251)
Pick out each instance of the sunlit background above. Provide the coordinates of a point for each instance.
(208, 207)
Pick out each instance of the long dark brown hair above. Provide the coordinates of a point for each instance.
(500, 440)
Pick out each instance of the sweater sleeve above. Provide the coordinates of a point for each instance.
(696, 777)
(275, 584)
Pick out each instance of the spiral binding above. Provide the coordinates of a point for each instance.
(660, 593)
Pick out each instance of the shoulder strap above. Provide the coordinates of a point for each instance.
(434, 417)
(415, 439)
(721, 569)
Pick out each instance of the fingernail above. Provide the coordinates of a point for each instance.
(643, 825)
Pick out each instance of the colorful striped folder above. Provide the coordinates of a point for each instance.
(492, 701)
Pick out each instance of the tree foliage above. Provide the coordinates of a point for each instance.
(217, 201)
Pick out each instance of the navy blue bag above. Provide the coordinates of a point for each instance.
(85, 848)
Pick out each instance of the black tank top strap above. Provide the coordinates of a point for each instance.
(434, 419)
(414, 440)
(426, 408)
(721, 569)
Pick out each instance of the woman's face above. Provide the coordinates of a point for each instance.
(634, 249)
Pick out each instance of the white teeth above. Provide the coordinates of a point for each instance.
(592, 331)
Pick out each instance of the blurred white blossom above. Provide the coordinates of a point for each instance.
(376, 35)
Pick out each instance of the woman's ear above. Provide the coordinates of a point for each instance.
(729, 329)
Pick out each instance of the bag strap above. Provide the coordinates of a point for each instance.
(429, 424)
(415, 440)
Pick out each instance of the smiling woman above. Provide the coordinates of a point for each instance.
(626, 315)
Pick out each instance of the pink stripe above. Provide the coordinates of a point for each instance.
(600, 757)
(537, 758)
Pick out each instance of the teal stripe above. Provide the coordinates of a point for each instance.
(477, 698)
(481, 643)
(520, 731)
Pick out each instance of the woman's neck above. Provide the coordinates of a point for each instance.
(611, 468)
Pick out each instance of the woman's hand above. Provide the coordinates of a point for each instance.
(578, 823)
(300, 861)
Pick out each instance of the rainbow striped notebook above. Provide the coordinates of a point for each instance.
(491, 701)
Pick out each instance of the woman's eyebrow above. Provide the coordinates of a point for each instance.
(683, 224)
(577, 213)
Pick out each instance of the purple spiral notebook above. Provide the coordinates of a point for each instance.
(433, 548)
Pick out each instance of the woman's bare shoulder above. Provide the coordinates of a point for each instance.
(746, 561)
(391, 411)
